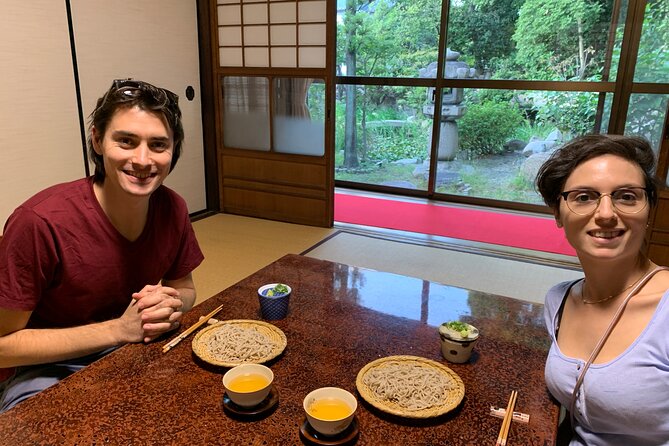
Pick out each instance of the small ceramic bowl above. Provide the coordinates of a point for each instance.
(457, 347)
(248, 385)
(273, 307)
(330, 410)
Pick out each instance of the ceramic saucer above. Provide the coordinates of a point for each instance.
(261, 409)
(349, 436)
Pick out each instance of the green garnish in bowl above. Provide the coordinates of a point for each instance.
(462, 329)
(278, 290)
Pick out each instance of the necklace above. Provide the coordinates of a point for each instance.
(598, 301)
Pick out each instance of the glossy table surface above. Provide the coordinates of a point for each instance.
(341, 318)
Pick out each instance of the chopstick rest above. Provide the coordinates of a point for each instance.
(518, 417)
(210, 321)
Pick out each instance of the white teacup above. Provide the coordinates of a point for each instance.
(330, 410)
(248, 385)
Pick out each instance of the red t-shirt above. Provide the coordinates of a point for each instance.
(62, 259)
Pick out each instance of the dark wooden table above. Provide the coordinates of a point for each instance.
(341, 318)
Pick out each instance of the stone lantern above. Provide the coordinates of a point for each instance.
(451, 107)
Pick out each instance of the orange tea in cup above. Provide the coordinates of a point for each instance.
(329, 409)
(249, 382)
(248, 385)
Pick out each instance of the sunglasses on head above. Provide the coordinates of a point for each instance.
(133, 89)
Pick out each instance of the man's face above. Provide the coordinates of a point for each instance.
(137, 152)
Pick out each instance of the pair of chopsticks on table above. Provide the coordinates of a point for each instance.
(167, 347)
(506, 422)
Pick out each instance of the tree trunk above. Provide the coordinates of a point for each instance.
(350, 152)
(583, 63)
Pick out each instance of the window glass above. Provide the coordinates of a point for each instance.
(652, 63)
(246, 113)
(382, 135)
(645, 117)
(491, 142)
(299, 116)
(570, 40)
(497, 142)
(387, 38)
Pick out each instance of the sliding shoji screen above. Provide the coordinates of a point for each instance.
(272, 34)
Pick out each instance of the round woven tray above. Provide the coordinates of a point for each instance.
(449, 403)
(272, 332)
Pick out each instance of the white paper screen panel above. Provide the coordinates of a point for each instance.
(255, 35)
(284, 57)
(229, 15)
(311, 11)
(230, 35)
(255, 14)
(273, 33)
(311, 34)
(282, 13)
(283, 35)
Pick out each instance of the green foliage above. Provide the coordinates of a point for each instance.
(395, 143)
(573, 113)
(645, 116)
(482, 29)
(392, 38)
(485, 127)
(316, 101)
(653, 59)
(526, 131)
(561, 39)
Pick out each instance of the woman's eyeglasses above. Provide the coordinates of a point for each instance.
(629, 200)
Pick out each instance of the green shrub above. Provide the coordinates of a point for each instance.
(394, 143)
(571, 112)
(485, 128)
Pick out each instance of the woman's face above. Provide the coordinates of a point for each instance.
(606, 233)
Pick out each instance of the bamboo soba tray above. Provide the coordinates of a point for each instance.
(449, 401)
(204, 343)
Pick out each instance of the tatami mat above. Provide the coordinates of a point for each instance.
(236, 246)
(524, 279)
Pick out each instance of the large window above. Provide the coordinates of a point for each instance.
(463, 101)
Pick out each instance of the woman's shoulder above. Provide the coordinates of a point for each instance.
(557, 292)
(562, 287)
(661, 279)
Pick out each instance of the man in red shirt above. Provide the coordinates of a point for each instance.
(90, 265)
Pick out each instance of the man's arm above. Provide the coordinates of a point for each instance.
(186, 288)
(26, 346)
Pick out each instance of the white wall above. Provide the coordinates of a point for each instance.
(40, 142)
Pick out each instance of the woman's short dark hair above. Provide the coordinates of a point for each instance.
(128, 93)
(553, 174)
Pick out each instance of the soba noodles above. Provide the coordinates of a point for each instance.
(232, 343)
(409, 385)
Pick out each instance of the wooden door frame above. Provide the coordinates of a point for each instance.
(205, 26)
(218, 180)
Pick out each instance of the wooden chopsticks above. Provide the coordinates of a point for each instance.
(167, 347)
(506, 422)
